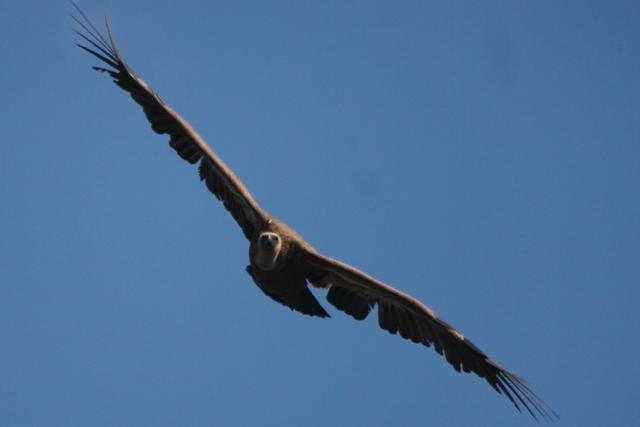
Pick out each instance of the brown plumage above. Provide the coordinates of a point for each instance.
(282, 263)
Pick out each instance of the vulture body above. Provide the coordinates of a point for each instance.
(283, 264)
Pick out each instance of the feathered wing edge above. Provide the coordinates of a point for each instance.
(220, 180)
(356, 293)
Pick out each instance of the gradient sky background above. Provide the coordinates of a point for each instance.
(482, 158)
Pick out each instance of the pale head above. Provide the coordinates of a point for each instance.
(269, 246)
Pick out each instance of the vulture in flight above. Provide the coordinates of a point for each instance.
(283, 264)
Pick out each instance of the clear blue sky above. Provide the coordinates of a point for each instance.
(482, 158)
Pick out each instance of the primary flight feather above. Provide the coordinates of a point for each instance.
(283, 264)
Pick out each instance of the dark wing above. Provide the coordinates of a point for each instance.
(356, 293)
(296, 298)
(220, 180)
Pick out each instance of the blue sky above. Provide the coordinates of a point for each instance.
(482, 158)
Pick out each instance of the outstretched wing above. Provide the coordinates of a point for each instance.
(356, 293)
(220, 180)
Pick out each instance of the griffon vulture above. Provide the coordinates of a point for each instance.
(282, 263)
